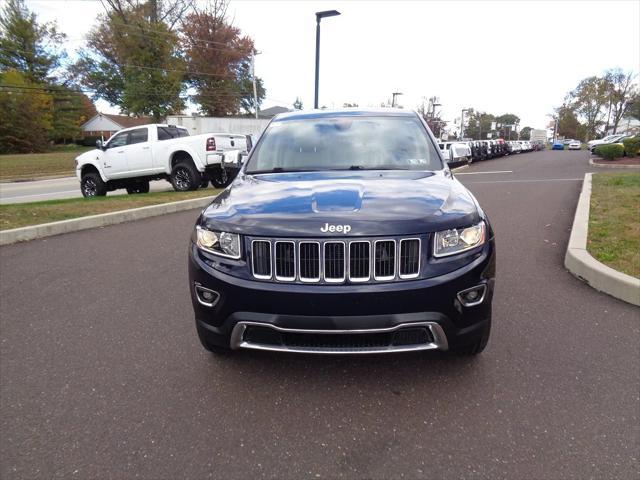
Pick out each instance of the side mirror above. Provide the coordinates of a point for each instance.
(99, 144)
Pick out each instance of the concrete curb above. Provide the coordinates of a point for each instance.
(591, 162)
(579, 262)
(83, 223)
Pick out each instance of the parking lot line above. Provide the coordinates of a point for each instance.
(485, 173)
(532, 180)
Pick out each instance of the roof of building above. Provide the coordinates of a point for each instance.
(123, 120)
(272, 112)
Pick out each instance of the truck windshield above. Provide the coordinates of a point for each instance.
(345, 143)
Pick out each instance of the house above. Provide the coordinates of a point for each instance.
(272, 112)
(104, 124)
(627, 125)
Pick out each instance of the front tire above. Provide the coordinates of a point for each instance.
(185, 177)
(92, 185)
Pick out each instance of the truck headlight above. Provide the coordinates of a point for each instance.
(219, 243)
(458, 240)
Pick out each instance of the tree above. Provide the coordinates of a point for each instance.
(620, 91)
(133, 60)
(588, 100)
(479, 124)
(219, 59)
(71, 108)
(433, 118)
(29, 47)
(507, 124)
(297, 105)
(26, 112)
(568, 124)
(525, 133)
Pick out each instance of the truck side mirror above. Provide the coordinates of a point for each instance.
(99, 144)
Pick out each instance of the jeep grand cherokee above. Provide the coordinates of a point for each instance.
(345, 232)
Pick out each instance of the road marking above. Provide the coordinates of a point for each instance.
(532, 181)
(4, 197)
(485, 173)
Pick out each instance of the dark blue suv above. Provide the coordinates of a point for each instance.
(344, 232)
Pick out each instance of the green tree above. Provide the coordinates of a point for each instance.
(71, 108)
(297, 105)
(26, 113)
(133, 60)
(568, 124)
(620, 92)
(219, 60)
(29, 47)
(587, 101)
(478, 125)
(525, 133)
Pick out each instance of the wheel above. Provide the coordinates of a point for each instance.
(92, 185)
(220, 179)
(184, 177)
(215, 349)
(138, 187)
(478, 346)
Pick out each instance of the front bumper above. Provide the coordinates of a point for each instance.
(292, 317)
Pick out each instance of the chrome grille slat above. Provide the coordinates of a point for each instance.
(359, 261)
(309, 261)
(336, 261)
(409, 259)
(261, 259)
(385, 260)
(285, 261)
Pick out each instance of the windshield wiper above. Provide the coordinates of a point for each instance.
(280, 170)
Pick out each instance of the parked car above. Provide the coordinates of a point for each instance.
(567, 141)
(455, 153)
(593, 143)
(575, 145)
(134, 156)
(609, 140)
(344, 233)
(558, 145)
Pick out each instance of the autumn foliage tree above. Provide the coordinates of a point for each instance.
(218, 59)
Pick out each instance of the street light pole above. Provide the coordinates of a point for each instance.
(320, 16)
(393, 100)
(253, 75)
(462, 123)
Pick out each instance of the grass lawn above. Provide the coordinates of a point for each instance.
(614, 221)
(24, 214)
(35, 165)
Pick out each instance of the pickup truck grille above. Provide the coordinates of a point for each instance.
(335, 261)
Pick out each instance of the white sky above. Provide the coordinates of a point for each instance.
(496, 56)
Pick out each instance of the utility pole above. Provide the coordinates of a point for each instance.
(394, 95)
(320, 16)
(253, 75)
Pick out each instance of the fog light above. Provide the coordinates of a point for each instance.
(472, 296)
(206, 297)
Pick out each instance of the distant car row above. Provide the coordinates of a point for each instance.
(459, 152)
(608, 140)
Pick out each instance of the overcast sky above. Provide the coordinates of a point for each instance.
(505, 56)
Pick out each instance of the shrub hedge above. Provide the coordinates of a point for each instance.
(632, 146)
(609, 152)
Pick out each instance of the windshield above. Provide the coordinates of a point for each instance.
(345, 143)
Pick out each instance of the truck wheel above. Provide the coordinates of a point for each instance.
(92, 185)
(184, 177)
(220, 179)
(478, 346)
(138, 187)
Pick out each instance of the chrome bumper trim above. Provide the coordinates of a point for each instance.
(439, 339)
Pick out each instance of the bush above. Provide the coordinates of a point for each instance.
(609, 152)
(632, 146)
(88, 141)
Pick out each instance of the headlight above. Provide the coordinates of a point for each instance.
(458, 240)
(219, 243)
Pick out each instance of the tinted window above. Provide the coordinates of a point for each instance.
(139, 135)
(119, 140)
(344, 142)
(167, 133)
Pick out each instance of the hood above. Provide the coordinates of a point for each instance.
(370, 203)
(90, 155)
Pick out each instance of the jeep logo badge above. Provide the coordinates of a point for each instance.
(335, 228)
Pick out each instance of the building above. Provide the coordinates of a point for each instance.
(627, 125)
(104, 124)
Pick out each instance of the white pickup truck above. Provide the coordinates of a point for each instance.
(134, 156)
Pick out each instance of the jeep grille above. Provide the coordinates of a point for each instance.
(335, 261)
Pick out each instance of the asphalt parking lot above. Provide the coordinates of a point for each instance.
(102, 375)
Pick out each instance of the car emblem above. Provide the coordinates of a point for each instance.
(335, 228)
